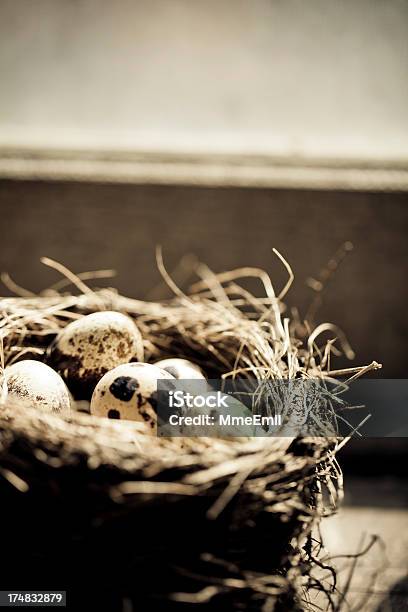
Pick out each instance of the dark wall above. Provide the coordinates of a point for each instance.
(91, 226)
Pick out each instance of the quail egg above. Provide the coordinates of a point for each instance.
(129, 392)
(33, 384)
(91, 346)
(181, 368)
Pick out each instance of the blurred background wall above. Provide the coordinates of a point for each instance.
(327, 79)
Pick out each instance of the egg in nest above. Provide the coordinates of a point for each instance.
(91, 346)
(129, 392)
(181, 368)
(34, 384)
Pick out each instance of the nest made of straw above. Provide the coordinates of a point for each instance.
(167, 523)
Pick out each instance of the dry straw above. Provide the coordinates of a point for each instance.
(226, 524)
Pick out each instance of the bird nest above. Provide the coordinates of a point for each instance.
(135, 522)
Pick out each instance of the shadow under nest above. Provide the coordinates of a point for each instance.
(127, 521)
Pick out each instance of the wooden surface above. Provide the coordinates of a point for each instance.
(232, 169)
(378, 579)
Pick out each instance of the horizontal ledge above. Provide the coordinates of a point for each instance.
(205, 169)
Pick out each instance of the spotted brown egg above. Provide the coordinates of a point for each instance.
(181, 368)
(34, 384)
(91, 346)
(129, 392)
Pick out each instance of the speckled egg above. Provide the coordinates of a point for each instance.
(91, 346)
(33, 384)
(129, 392)
(181, 368)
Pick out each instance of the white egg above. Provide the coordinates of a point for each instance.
(33, 384)
(181, 368)
(191, 376)
(82, 406)
(129, 392)
(91, 346)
